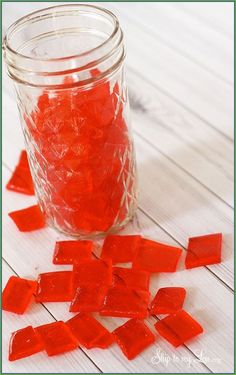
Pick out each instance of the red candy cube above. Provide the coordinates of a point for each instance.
(126, 302)
(95, 272)
(178, 328)
(204, 250)
(28, 219)
(87, 298)
(120, 249)
(24, 343)
(89, 332)
(54, 287)
(17, 294)
(168, 300)
(131, 278)
(69, 252)
(21, 180)
(57, 338)
(133, 337)
(156, 257)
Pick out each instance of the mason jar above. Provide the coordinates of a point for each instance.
(67, 65)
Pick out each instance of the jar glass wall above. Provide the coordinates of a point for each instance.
(67, 63)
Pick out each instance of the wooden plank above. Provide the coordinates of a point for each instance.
(38, 363)
(208, 310)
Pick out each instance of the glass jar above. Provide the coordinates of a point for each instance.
(67, 64)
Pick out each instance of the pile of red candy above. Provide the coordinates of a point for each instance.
(97, 285)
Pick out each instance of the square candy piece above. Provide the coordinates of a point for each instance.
(87, 298)
(136, 279)
(54, 287)
(168, 300)
(89, 332)
(17, 294)
(204, 250)
(57, 338)
(96, 272)
(24, 343)
(120, 249)
(69, 252)
(156, 257)
(133, 337)
(126, 302)
(28, 219)
(178, 328)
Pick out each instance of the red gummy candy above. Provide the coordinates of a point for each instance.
(89, 332)
(21, 180)
(178, 328)
(96, 272)
(28, 219)
(57, 338)
(87, 298)
(24, 343)
(168, 300)
(69, 252)
(156, 257)
(126, 302)
(204, 250)
(17, 294)
(133, 337)
(120, 249)
(54, 287)
(136, 279)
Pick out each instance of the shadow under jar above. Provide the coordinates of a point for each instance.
(67, 66)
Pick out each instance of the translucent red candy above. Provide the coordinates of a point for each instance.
(96, 272)
(126, 302)
(24, 343)
(89, 332)
(136, 279)
(168, 300)
(21, 180)
(178, 328)
(156, 257)
(87, 298)
(57, 338)
(133, 337)
(28, 219)
(54, 287)
(17, 294)
(204, 250)
(69, 252)
(120, 249)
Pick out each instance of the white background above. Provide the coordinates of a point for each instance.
(180, 76)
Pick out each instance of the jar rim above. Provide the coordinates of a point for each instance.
(34, 16)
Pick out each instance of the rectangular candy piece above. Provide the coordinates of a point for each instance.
(168, 300)
(204, 250)
(178, 328)
(156, 257)
(96, 272)
(17, 294)
(126, 302)
(89, 332)
(21, 180)
(87, 298)
(132, 278)
(57, 338)
(120, 249)
(28, 219)
(133, 337)
(24, 343)
(54, 287)
(69, 252)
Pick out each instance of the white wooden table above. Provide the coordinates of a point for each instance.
(180, 76)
